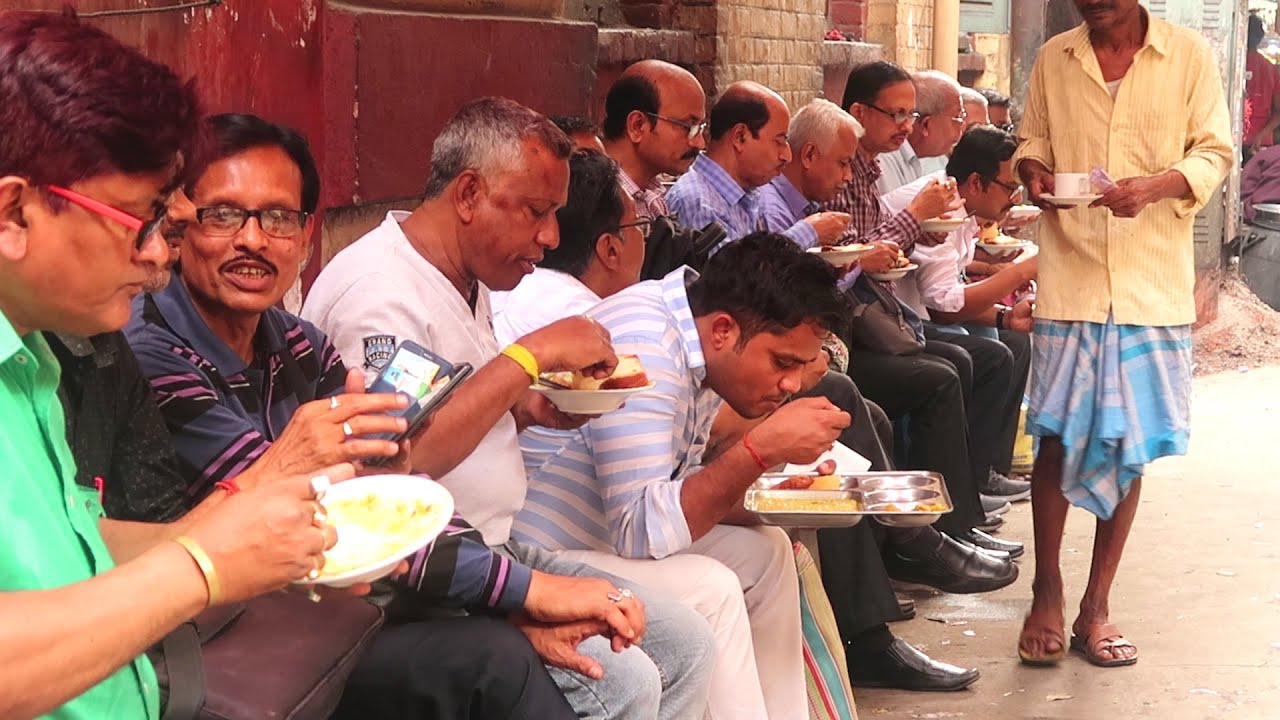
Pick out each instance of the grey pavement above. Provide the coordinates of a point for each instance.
(1198, 591)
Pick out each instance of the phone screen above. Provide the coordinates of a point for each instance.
(416, 373)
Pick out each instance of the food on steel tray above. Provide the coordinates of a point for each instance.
(805, 505)
(826, 482)
(629, 374)
(918, 507)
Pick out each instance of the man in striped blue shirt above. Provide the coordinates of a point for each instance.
(748, 148)
(633, 483)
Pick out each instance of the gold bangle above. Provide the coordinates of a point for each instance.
(205, 563)
(525, 359)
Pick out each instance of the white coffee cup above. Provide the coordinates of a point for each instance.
(1072, 185)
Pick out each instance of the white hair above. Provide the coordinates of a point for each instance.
(933, 89)
(969, 95)
(818, 123)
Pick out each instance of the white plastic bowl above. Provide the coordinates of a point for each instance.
(1003, 249)
(942, 225)
(388, 489)
(895, 274)
(589, 402)
(842, 255)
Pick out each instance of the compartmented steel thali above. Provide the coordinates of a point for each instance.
(899, 499)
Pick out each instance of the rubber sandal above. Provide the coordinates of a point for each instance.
(1109, 638)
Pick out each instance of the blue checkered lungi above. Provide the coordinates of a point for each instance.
(1119, 396)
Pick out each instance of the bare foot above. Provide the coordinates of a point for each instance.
(1043, 640)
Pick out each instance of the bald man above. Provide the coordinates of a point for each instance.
(655, 121)
(936, 131)
(747, 148)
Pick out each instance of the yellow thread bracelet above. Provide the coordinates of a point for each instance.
(203, 560)
(525, 359)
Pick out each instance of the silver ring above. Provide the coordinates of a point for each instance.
(620, 595)
(313, 573)
(333, 403)
(319, 486)
(346, 429)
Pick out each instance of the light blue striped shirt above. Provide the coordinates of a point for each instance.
(614, 484)
(707, 193)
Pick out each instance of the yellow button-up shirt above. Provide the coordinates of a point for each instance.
(1169, 113)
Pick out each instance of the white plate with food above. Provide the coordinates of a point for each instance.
(894, 274)
(1071, 201)
(380, 520)
(1024, 212)
(1003, 247)
(580, 394)
(840, 255)
(942, 225)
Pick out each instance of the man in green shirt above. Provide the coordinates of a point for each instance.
(93, 137)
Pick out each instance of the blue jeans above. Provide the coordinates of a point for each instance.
(668, 677)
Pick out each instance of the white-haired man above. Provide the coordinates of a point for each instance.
(824, 140)
(938, 129)
(975, 108)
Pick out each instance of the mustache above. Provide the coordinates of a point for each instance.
(691, 155)
(251, 257)
(1096, 8)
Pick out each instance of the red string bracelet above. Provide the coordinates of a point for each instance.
(746, 443)
(229, 485)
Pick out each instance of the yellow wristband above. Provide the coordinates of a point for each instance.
(525, 359)
(205, 563)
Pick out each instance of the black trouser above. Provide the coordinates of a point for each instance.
(928, 390)
(987, 365)
(456, 668)
(852, 566)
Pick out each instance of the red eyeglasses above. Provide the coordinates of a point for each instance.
(142, 227)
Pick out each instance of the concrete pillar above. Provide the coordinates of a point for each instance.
(1026, 22)
(946, 35)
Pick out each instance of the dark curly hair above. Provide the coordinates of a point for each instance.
(594, 207)
(768, 284)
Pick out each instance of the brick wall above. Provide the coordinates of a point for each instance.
(774, 42)
(904, 28)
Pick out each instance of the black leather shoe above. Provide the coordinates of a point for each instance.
(986, 542)
(906, 668)
(952, 568)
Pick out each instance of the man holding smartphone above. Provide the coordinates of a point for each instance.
(498, 173)
(285, 399)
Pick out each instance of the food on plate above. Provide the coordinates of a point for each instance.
(840, 248)
(901, 261)
(803, 505)
(826, 482)
(989, 234)
(629, 374)
(918, 507)
(372, 528)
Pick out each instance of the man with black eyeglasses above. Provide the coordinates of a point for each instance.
(655, 121)
(941, 120)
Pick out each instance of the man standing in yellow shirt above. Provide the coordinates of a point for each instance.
(1143, 100)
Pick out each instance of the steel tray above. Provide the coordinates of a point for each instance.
(873, 491)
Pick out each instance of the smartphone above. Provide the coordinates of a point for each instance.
(424, 377)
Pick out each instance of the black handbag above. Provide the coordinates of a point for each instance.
(671, 245)
(276, 656)
(880, 322)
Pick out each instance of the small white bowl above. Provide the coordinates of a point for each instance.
(589, 402)
(942, 225)
(1024, 212)
(842, 254)
(388, 489)
(1003, 249)
(895, 274)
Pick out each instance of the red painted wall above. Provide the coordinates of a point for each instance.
(370, 89)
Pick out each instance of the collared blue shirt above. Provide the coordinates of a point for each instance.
(708, 194)
(784, 208)
(614, 484)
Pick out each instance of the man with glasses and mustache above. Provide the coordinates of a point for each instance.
(941, 120)
(654, 124)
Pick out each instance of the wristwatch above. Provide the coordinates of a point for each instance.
(1000, 311)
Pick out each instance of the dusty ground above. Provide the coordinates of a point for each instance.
(1245, 335)
(1198, 592)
